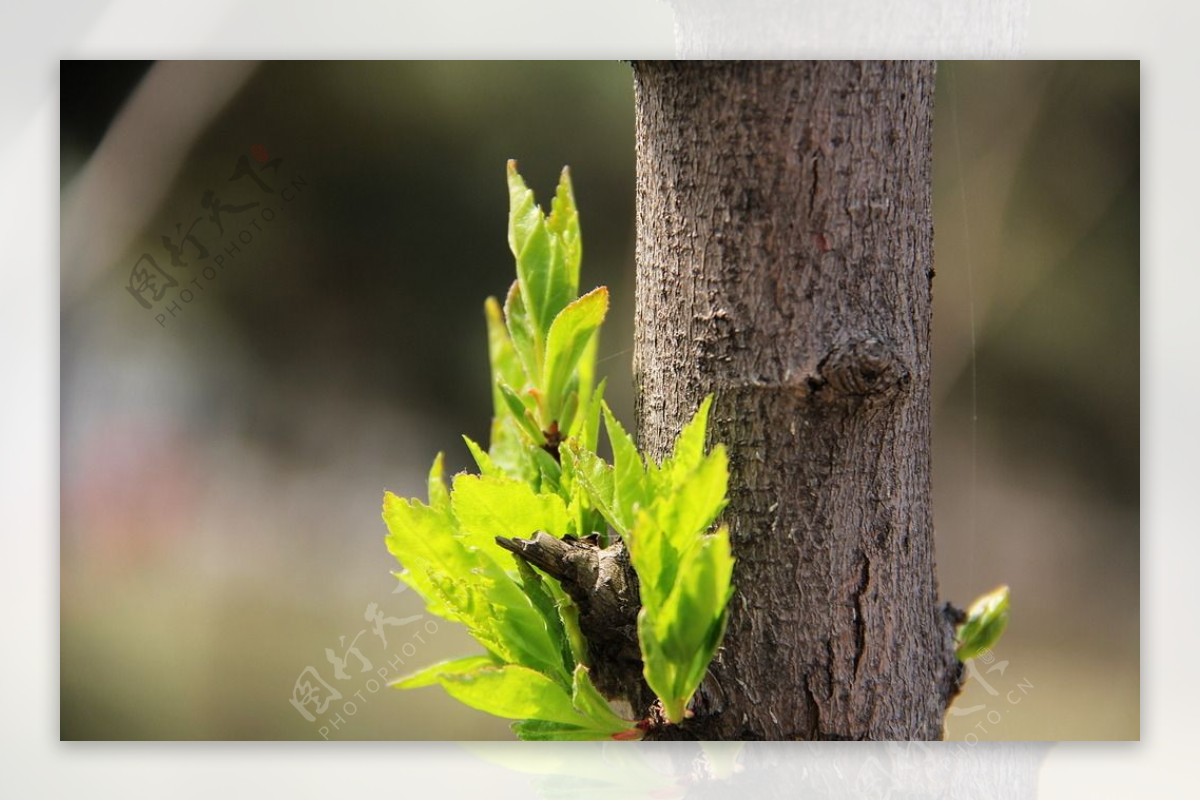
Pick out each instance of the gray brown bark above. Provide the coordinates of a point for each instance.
(784, 263)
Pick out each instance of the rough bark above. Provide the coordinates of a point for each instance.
(784, 263)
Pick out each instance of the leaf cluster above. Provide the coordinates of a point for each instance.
(542, 472)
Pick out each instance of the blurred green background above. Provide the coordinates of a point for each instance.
(221, 473)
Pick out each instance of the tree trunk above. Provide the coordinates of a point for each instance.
(784, 263)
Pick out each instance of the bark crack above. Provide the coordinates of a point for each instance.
(860, 623)
(814, 710)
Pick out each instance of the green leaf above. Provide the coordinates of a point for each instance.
(516, 692)
(510, 449)
(602, 723)
(488, 507)
(590, 435)
(421, 538)
(522, 415)
(543, 730)
(689, 447)
(568, 613)
(541, 270)
(439, 496)
(544, 600)
(429, 676)
(629, 472)
(524, 217)
(588, 700)
(482, 459)
(680, 637)
(525, 339)
(563, 223)
(585, 370)
(570, 334)
(550, 472)
(596, 479)
(459, 577)
(502, 356)
(986, 620)
(688, 504)
(570, 407)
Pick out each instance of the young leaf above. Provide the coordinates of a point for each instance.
(547, 604)
(524, 217)
(541, 270)
(462, 581)
(514, 691)
(588, 700)
(526, 341)
(487, 507)
(509, 449)
(689, 503)
(502, 356)
(568, 613)
(522, 415)
(629, 473)
(689, 447)
(542, 730)
(482, 459)
(596, 479)
(589, 436)
(563, 223)
(421, 538)
(986, 620)
(570, 334)
(680, 637)
(439, 496)
(585, 369)
(550, 472)
(429, 676)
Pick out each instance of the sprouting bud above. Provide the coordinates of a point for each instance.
(986, 620)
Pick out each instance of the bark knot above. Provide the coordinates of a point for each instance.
(863, 368)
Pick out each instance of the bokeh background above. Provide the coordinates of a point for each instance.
(222, 467)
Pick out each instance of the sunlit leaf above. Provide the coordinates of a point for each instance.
(569, 336)
(514, 691)
(588, 700)
(429, 676)
(522, 415)
(502, 356)
(541, 267)
(629, 471)
(526, 342)
(483, 460)
(563, 223)
(487, 507)
(595, 478)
